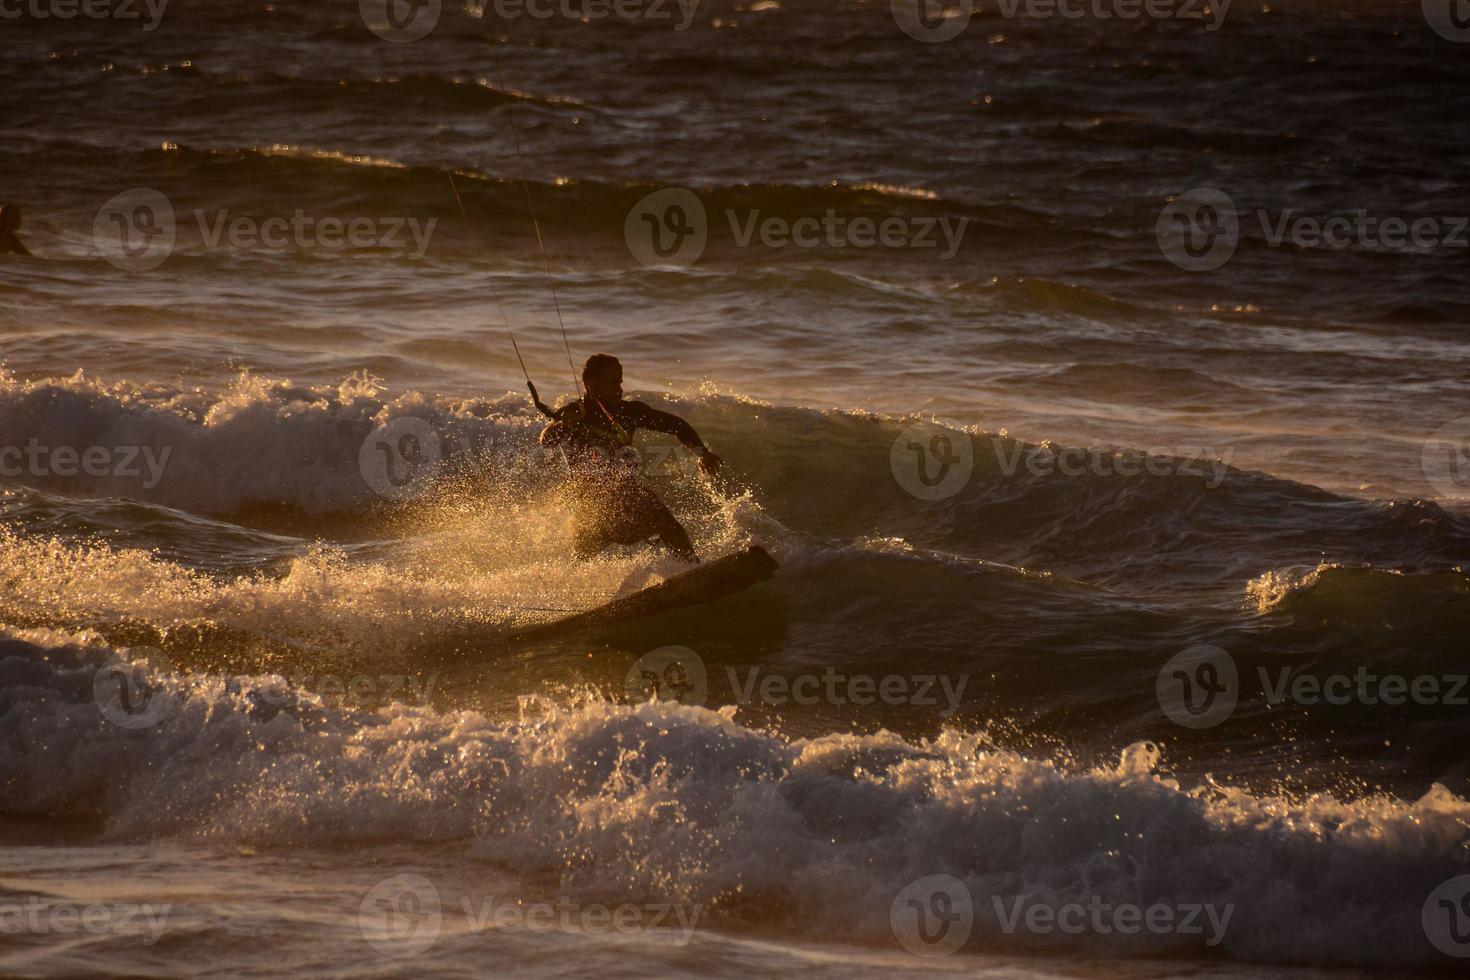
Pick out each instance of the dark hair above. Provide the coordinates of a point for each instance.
(596, 364)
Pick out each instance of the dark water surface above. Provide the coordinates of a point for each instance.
(1020, 413)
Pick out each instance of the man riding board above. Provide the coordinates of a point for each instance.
(614, 506)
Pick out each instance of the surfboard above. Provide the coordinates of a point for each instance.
(705, 583)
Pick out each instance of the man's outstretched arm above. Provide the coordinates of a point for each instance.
(647, 417)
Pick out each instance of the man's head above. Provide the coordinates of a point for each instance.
(602, 376)
(9, 217)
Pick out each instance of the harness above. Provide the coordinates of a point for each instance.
(616, 434)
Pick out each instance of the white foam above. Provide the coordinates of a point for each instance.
(262, 442)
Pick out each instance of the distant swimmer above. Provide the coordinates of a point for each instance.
(9, 225)
(613, 505)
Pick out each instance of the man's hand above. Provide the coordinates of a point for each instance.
(710, 463)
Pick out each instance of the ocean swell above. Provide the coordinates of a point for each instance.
(660, 802)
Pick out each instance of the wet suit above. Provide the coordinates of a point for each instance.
(9, 243)
(614, 506)
(9, 225)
